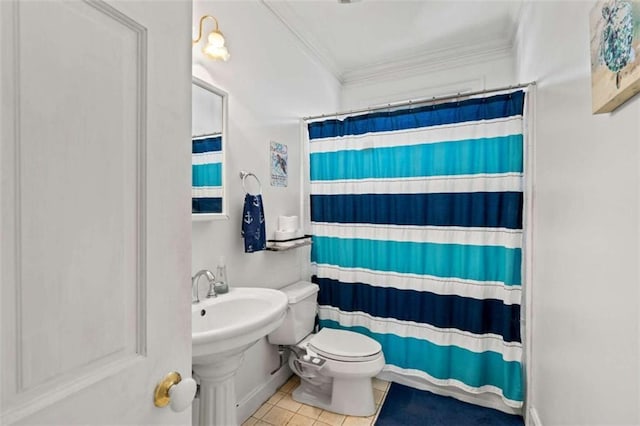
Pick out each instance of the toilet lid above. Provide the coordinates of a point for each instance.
(344, 345)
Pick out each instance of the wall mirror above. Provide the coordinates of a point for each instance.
(208, 130)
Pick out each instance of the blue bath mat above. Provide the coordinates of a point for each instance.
(405, 406)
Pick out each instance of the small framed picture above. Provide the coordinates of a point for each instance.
(279, 164)
(615, 53)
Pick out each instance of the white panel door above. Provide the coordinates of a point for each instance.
(95, 211)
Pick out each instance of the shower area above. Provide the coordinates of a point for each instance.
(418, 220)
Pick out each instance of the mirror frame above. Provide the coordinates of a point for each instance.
(225, 109)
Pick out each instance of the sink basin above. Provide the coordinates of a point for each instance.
(230, 323)
(222, 329)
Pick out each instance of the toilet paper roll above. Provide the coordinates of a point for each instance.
(287, 223)
(286, 245)
(285, 235)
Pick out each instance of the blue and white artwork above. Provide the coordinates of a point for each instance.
(279, 164)
(615, 53)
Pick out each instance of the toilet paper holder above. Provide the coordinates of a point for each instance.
(305, 240)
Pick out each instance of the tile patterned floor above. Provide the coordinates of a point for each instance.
(281, 410)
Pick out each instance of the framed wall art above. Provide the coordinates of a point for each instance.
(615, 53)
(279, 161)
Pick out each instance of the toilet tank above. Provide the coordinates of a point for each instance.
(301, 314)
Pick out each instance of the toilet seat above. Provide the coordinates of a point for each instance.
(344, 345)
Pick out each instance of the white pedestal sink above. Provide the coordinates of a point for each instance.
(222, 329)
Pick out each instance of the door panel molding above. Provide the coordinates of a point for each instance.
(21, 395)
(141, 117)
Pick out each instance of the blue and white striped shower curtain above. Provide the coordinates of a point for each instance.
(206, 174)
(417, 238)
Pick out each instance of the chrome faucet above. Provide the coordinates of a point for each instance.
(194, 285)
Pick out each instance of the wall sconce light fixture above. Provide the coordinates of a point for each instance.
(215, 48)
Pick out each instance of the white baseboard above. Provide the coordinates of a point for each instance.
(534, 419)
(260, 394)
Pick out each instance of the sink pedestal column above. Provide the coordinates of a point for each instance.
(218, 391)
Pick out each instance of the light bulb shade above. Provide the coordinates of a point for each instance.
(216, 39)
(220, 53)
(214, 48)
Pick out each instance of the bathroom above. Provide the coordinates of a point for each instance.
(583, 360)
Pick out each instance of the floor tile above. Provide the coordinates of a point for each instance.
(375, 416)
(310, 411)
(358, 421)
(286, 388)
(288, 403)
(276, 397)
(378, 396)
(282, 409)
(382, 385)
(260, 412)
(330, 418)
(261, 423)
(278, 416)
(300, 420)
(290, 385)
(251, 421)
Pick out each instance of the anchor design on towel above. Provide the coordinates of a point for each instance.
(253, 223)
(248, 219)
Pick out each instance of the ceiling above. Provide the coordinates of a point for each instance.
(367, 37)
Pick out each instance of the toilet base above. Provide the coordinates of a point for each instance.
(351, 397)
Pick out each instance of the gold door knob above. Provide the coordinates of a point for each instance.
(175, 391)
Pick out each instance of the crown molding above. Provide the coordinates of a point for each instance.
(430, 61)
(405, 64)
(291, 21)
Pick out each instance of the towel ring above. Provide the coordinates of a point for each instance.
(244, 175)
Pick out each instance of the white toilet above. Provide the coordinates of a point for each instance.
(335, 366)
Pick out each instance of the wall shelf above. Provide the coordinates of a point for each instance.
(273, 245)
(203, 217)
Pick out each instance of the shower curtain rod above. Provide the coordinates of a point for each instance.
(422, 101)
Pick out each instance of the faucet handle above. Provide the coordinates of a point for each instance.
(212, 290)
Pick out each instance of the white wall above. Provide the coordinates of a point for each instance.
(585, 363)
(585, 304)
(271, 82)
(447, 79)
